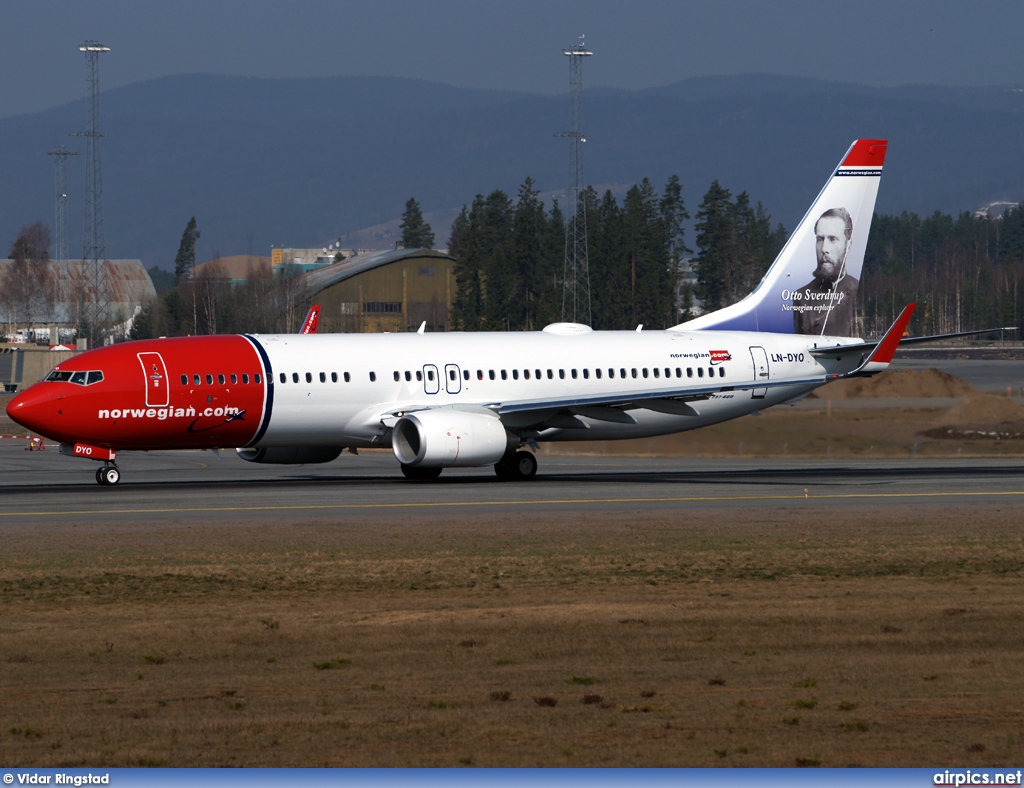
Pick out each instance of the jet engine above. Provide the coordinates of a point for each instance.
(444, 438)
(291, 455)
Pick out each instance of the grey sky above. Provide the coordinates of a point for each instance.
(508, 45)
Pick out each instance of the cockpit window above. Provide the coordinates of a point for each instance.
(80, 377)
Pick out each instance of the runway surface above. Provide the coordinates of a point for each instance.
(40, 487)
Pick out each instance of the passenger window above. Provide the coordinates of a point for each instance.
(479, 374)
(408, 376)
(184, 380)
(504, 375)
(668, 372)
(257, 379)
(721, 372)
(465, 374)
(645, 371)
(234, 379)
(622, 372)
(550, 374)
(490, 374)
(284, 378)
(689, 372)
(323, 377)
(209, 379)
(526, 374)
(711, 372)
(611, 372)
(373, 377)
(657, 372)
(295, 377)
(347, 377)
(561, 374)
(573, 373)
(220, 379)
(398, 376)
(700, 372)
(451, 374)
(419, 376)
(309, 377)
(430, 375)
(537, 371)
(634, 372)
(597, 372)
(679, 372)
(515, 374)
(586, 374)
(334, 377)
(245, 378)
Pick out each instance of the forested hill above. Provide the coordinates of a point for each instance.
(299, 162)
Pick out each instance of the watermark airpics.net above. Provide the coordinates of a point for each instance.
(971, 777)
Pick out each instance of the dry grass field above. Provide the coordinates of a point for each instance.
(798, 635)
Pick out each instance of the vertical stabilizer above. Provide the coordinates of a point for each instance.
(811, 288)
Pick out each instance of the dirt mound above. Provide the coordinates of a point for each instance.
(983, 409)
(899, 383)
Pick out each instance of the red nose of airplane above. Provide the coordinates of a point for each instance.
(31, 409)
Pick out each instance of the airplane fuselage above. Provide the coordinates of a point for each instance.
(338, 390)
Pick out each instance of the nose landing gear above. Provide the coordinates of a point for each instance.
(108, 475)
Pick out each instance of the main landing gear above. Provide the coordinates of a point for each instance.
(108, 475)
(516, 466)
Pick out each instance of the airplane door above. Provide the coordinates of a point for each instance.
(158, 393)
(761, 371)
(431, 380)
(452, 379)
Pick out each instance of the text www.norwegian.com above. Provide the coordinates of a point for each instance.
(162, 414)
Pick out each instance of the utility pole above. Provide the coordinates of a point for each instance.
(94, 248)
(576, 274)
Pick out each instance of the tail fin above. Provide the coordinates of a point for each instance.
(811, 287)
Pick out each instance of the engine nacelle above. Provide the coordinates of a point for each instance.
(291, 455)
(446, 438)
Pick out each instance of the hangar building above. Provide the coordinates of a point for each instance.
(391, 290)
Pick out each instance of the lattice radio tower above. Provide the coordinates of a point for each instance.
(60, 218)
(94, 247)
(60, 215)
(576, 276)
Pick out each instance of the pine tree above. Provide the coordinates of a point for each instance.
(527, 237)
(416, 233)
(716, 244)
(185, 260)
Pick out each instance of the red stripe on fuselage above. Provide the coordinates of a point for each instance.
(218, 411)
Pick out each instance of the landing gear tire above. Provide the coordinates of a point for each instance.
(108, 475)
(520, 466)
(420, 474)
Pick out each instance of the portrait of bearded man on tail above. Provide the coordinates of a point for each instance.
(825, 305)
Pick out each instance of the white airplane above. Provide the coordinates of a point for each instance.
(475, 399)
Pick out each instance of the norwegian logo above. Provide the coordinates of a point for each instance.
(720, 356)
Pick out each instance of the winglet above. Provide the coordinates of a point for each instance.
(884, 350)
(312, 321)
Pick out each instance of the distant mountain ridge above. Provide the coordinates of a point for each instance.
(300, 162)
